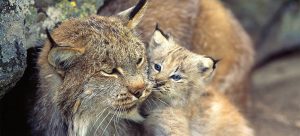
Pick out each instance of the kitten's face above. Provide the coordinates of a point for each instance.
(175, 71)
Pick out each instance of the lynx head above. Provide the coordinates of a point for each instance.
(174, 70)
(97, 64)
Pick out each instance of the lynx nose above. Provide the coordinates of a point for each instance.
(137, 92)
(136, 88)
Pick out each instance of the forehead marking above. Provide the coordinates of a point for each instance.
(171, 53)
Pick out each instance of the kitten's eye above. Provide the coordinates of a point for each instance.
(139, 61)
(157, 67)
(176, 77)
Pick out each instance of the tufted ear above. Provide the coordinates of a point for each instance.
(160, 37)
(161, 40)
(133, 15)
(206, 66)
(62, 56)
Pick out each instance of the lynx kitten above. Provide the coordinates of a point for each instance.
(184, 105)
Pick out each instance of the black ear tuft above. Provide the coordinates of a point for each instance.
(52, 42)
(132, 17)
(137, 8)
(215, 61)
(157, 28)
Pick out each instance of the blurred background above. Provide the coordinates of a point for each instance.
(274, 26)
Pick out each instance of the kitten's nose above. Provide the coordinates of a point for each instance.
(159, 83)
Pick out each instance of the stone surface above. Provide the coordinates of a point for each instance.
(12, 42)
(22, 26)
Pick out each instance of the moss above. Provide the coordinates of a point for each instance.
(66, 9)
(36, 23)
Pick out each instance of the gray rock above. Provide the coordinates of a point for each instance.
(12, 42)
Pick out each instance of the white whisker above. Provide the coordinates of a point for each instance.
(162, 101)
(154, 102)
(101, 123)
(108, 123)
(149, 103)
(98, 116)
(115, 122)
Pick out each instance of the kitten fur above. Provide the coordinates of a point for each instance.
(185, 106)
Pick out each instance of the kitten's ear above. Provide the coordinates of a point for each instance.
(133, 15)
(62, 56)
(160, 42)
(160, 38)
(206, 65)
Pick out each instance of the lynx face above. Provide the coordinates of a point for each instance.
(175, 70)
(100, 65)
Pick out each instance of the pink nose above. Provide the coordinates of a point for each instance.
(136, 88)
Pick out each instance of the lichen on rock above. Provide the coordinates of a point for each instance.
(12, 42)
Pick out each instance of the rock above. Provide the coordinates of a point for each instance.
(12, 42)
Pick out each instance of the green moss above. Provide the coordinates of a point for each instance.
(65, 9)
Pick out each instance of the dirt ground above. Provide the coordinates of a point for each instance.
(276, 98)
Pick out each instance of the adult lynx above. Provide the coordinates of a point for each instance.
(93, 76)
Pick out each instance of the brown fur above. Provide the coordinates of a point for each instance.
(204, 27)
(186, 106)
(93, 76)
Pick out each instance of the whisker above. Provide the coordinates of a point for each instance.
(149, 103)
(147, 106)
(115, 119)
(108, 123)
(98, 116)
(162, 101)
(155, 90)
(101, 123)
(154, 102)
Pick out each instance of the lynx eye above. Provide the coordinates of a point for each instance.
(157, 67)
(139, 61)
(176, 77)
(113, 73)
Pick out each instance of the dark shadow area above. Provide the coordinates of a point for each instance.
(16, 104)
